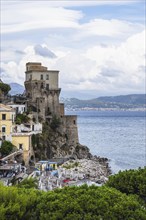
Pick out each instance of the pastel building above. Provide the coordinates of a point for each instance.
(7, 117)
(19, 135)
(19, 108)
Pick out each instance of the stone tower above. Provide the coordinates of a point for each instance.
(42, 90)
(42, 93)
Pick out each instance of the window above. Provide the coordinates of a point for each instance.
(74, 122)
(47, 77)
(20, 146)
(41, 77)
(42, 85)
(3, 138)
(47, 86)
(30, 77)
(17, 110)
(3, 129)
(12, 118)
(3, 116)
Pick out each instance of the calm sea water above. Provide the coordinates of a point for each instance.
(117, 135)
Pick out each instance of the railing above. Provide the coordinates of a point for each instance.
(12, 154)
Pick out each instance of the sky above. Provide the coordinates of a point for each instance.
(98, 46)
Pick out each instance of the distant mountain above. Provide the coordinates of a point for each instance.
(134, 99)
(123, 101)
(16, 89)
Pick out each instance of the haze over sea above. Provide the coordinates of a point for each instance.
(118, 135)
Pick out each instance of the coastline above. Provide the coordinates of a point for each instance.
(75, 172)
(96, 169)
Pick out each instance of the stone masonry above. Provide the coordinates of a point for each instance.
(42, 93)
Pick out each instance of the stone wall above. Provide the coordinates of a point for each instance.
(42, 93)
(45, 101)
(70, 129)
(62, 112)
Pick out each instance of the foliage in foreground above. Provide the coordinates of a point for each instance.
(130, 182)
(70, 203)
(28, 183)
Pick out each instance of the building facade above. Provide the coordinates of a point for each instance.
(42, 90)
(18, 135)
(7, 117)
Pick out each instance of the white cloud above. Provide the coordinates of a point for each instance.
(38, 17)
(111, 28)
(112, 68)
(99, 55)
(99, 69)
(70, 3)
(21, 16)
(13, 72)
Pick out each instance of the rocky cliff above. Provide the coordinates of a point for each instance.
(54, 143)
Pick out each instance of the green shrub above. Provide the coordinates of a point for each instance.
(69, 203)
(130, 182)
(55, 123)
(72, 165)
(22, 118)
(28, 183)
(6, 148)
(5, 88)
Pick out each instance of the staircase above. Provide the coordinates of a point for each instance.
(12, 155)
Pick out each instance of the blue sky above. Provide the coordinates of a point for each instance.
(98, 46)
(133, 12)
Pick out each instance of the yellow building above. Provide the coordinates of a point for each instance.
(18, 135)
(7, 117)
(21, 140)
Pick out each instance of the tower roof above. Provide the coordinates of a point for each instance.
(34, 66)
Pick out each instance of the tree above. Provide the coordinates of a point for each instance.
(4, 88)
(69, 203)
(6, 148)
(28, 183)
(89, 203)
(130, 182)
(22, 118)
(17, 204)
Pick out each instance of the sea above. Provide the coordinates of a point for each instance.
(119, 136)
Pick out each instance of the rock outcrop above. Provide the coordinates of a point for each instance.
(93, 170)
(54, 144)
